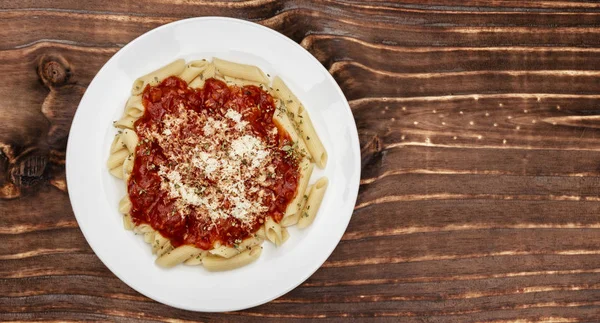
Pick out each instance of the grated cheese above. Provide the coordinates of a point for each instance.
(221, 164)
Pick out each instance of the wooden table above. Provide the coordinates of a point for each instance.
(480, 140)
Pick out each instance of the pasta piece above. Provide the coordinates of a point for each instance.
(315, 197)
(134, 106)
(192, 70)
(143, 228)
(116, 159)
(158, 242)
(177, 256)
(125, 205)
(281, 118)
(311, 139)
(274, 232)
(197, 83)
(220, 77)
(216, 263)
(196, 259)
(208, 72)
(149, 236)
(154, 78)
(292, 219)
(241, 83)
(241, 71)
(117, 172)
(302, 121)
(117, 143)
(283, 92)
(306, 169)
(285, 235)
(228, 252)
(261, 232)
(126, 122)
(127, 167)
(130, 139)
(127, 223)
(167, 247)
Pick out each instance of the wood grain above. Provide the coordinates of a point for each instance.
(479, 124)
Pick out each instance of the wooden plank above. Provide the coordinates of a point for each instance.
(329, 49)
(388, 84)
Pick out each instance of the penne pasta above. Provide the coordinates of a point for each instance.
(284, 94)
(117, 172)
(143, 228)
(192, 70)
(241, 82)
(164, 249)
(158, 242)
(281, 118)
(125, 205)
(198, 82)
(117, 143)
(155, 77)
(177, 256)
(125, 122)
(130, 140)
(149, 236)
(127, 167)
(196, 259)
(134, 106)
(220, 77)
(261, 232)
(228, 252)
(216, 263)
(311, 139)
(292, 219)
(241, 71)
(127, 223)
(284, 235)
(302, 122)
(315, 197)
(116, 159)
(274, 232)
(306, 169)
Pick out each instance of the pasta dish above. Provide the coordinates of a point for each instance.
(216, 159)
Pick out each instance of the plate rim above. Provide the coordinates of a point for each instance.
(354, 143)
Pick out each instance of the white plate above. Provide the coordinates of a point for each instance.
(94, 193)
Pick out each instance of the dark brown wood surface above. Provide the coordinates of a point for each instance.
(479, 125)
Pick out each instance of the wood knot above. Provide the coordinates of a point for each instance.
(53, 70)
(371, 147)
(29, 170)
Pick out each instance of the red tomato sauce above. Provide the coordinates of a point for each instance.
(152, 204)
